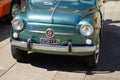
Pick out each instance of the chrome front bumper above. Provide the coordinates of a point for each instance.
(33, 46)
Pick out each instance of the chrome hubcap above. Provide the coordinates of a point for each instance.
(97, 52)
(96, 57)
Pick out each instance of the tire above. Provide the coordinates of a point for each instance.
(92, 60)
(14, 9)
(18, 54)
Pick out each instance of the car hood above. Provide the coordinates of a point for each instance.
(69, 13)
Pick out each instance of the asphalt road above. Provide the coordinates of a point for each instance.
(49, 67)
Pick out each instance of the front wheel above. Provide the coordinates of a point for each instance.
(18, 54)
(92, 60)
(14, 9)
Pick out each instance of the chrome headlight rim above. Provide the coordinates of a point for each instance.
(17, 24)
(88, 27)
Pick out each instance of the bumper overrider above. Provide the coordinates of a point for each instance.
(29, 46)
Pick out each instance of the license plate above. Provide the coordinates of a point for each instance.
(49, 41)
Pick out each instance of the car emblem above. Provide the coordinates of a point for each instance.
(49, 33)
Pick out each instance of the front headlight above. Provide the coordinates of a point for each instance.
(86, 29)
(17, 24)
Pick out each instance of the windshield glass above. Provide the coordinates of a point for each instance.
(83, 1)
(61, 0)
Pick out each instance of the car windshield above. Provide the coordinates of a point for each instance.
(75, 1)
(61, 0)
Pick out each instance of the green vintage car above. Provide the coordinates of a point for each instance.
(59, 27)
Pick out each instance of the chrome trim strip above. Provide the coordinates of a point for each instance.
(36, 31)
(56, 33)
(59, 48)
